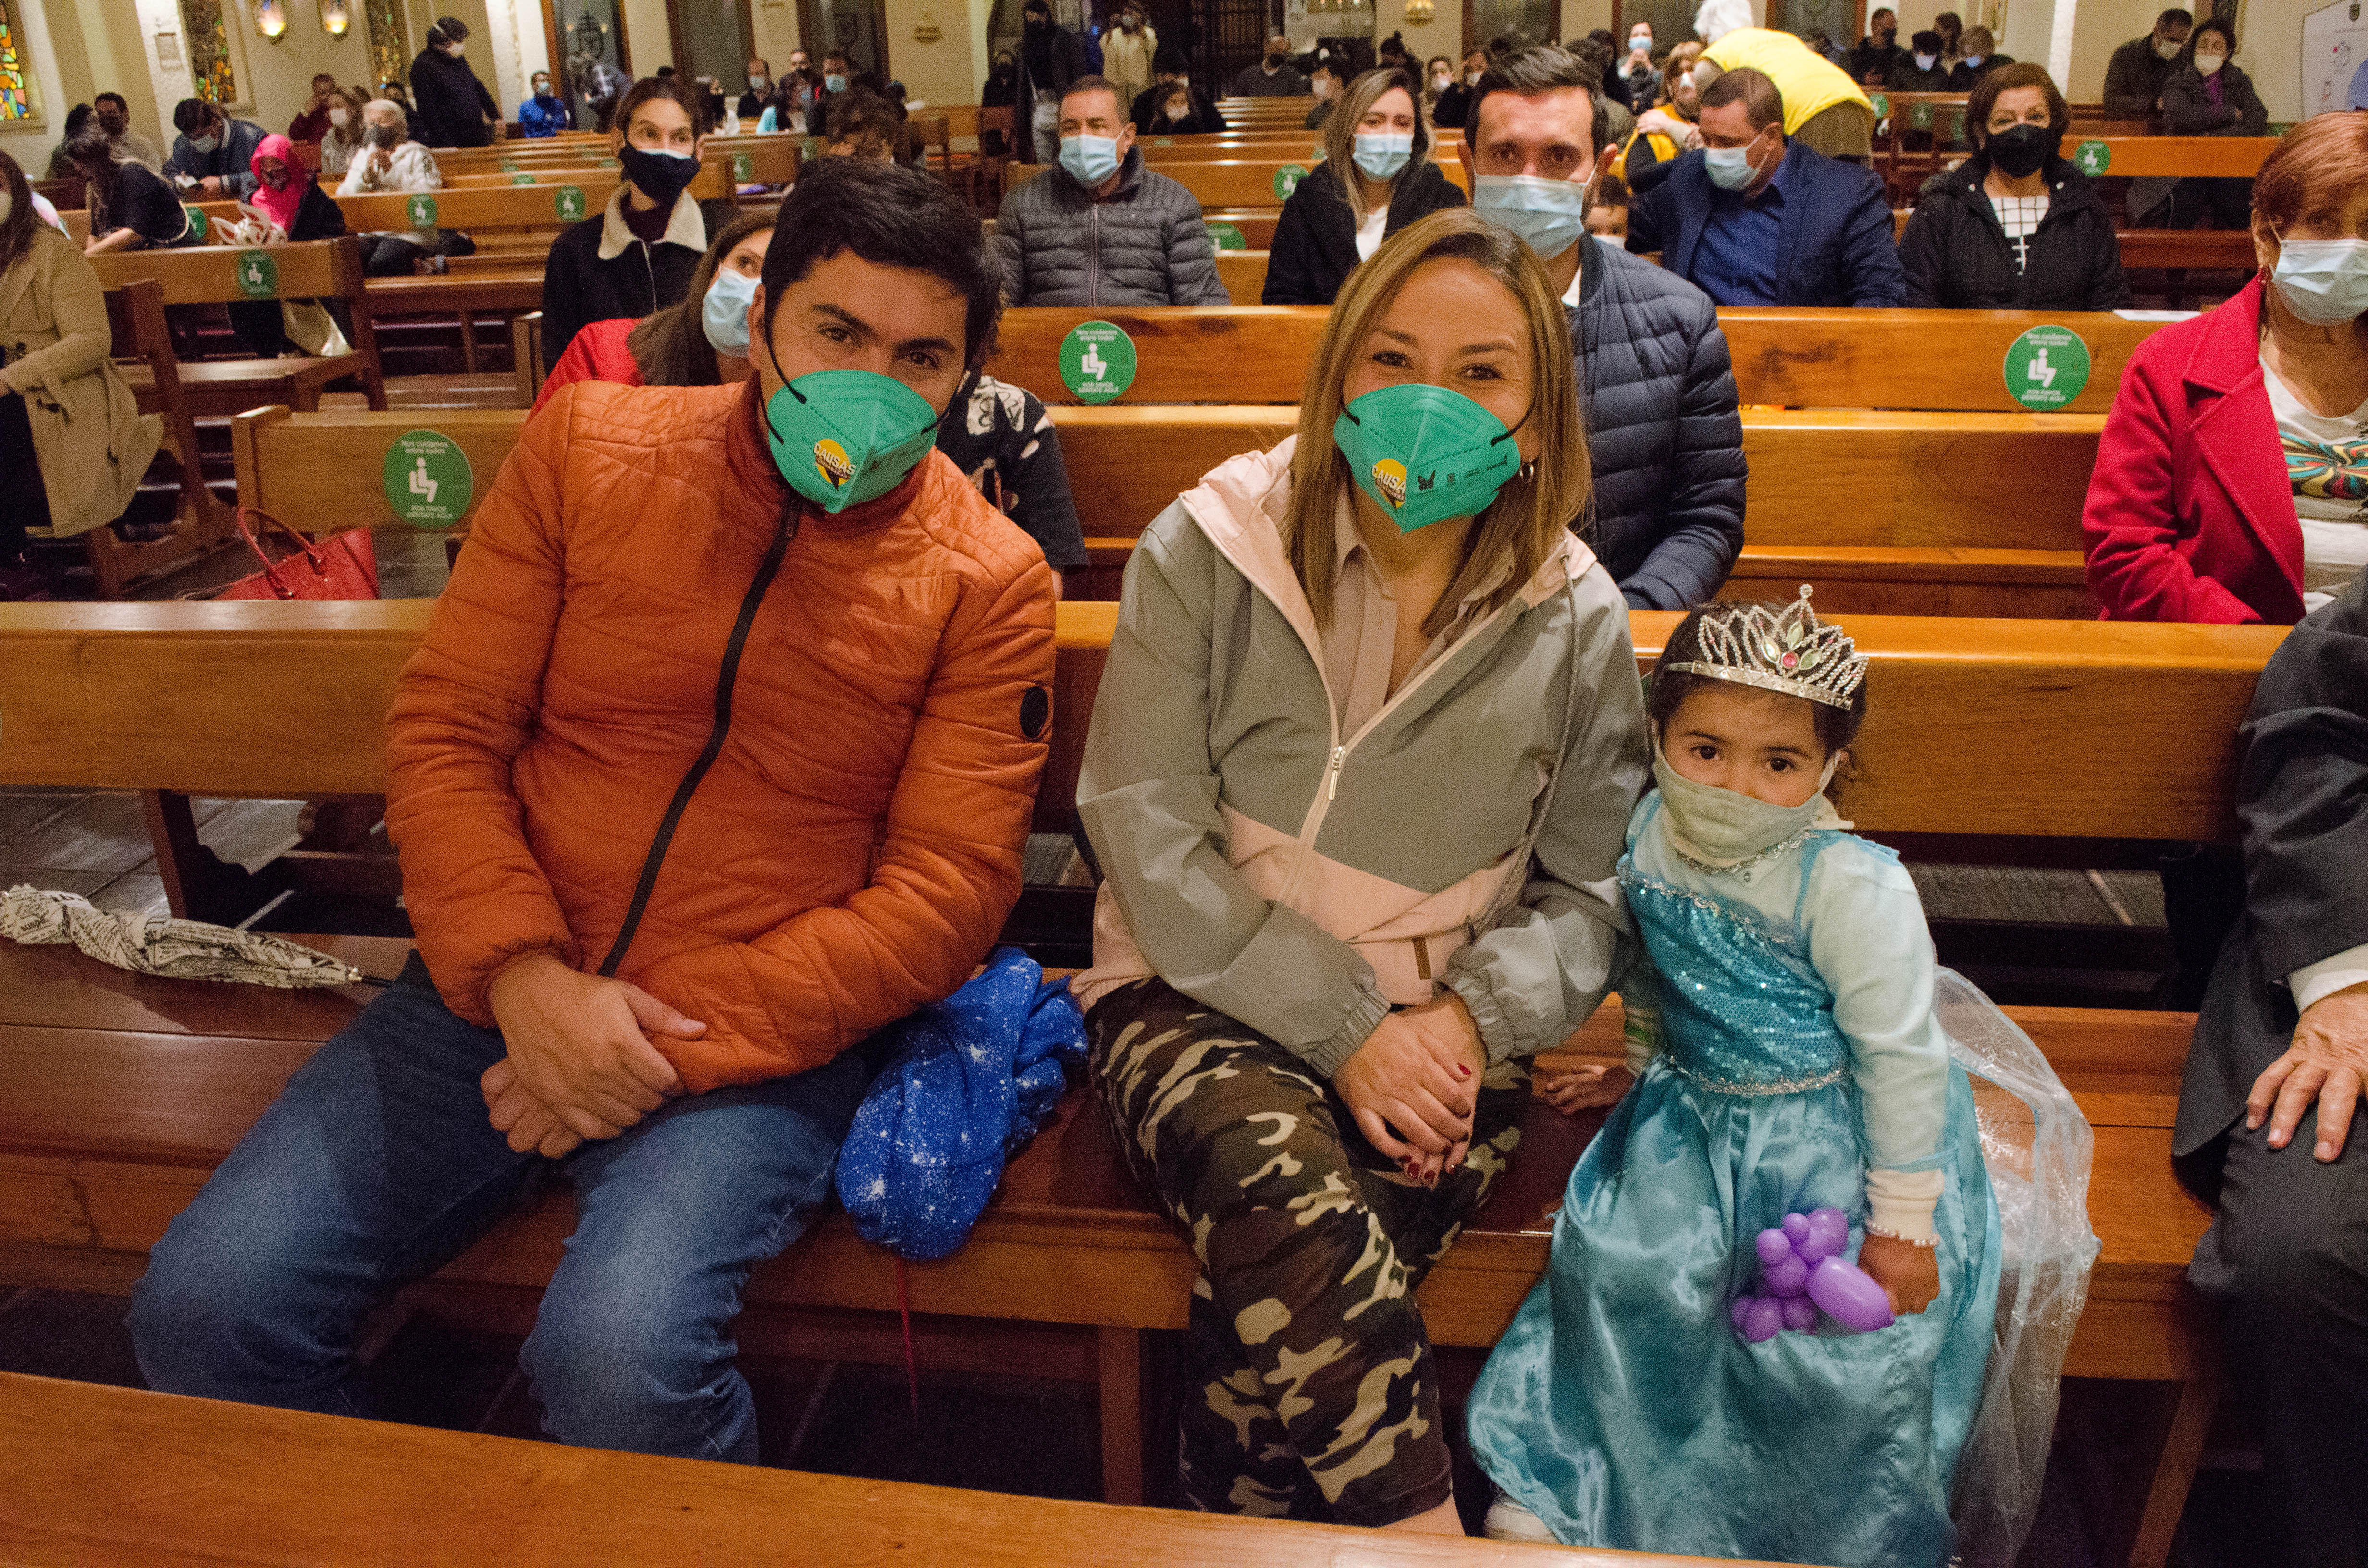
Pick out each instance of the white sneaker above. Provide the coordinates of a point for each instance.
(1508, 1521)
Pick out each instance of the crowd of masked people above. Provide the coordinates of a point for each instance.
(775, 564)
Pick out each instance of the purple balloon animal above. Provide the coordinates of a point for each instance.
(1802, 1273)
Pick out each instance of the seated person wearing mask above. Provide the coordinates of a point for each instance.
(812, 694)
(1273, 77)
(1325, 81)
(1824, 109)
(1981, 57)
(999, 435)
(760, 89)
(2015, 227)
(115, 118)
(1656, 390)
(637, 256)
(545, 113)
(2134, 78)
(1376, 178)
(390, 161)
(1171, 105)
(1923, 72)
(1752, 220)
(213, 155)
(1101, 229)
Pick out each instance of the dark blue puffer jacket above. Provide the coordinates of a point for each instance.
(1658, 394)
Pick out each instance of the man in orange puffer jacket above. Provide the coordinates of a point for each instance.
(717, 757)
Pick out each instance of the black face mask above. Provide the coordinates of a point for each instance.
(2024, 149)
(1039, 26)
(1274, 61)
(661, 176)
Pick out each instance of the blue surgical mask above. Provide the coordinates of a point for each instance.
(1549, 215)
(1089, 159)
(724, 315)
(2323, 281)
(1974, 61)
(1381, 154)
(834, 83)
(208, 143)
(1730, 167)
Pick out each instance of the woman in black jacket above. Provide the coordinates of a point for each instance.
(2015, 226)
(2217, 101)
(1376, 178)
(450, 105)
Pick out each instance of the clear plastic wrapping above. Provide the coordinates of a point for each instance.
(2038, 1148)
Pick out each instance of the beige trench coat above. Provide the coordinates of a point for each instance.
(88, 433)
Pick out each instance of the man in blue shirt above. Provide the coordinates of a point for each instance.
(1751, 219)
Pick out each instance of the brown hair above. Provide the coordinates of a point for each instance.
(864, 118)
(2313, 169)
(1341, 131)
(1527, 73)
(16, 229)
(1521, 526)
(670, 345)
(1763, 105)
(2023, 74)
(2225, 28)
(649, 89)
(1668, 689)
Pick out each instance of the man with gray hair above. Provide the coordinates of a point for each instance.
(1655, 388)
(390, 161)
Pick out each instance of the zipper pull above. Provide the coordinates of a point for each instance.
(1332, 782)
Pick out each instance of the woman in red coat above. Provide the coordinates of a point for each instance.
(2232, 482)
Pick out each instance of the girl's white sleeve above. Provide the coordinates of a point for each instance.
(1868, 940)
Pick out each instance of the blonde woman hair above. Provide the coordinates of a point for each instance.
(1341, 131)
(1519, 527)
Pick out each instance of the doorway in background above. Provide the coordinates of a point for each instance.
(856, 29)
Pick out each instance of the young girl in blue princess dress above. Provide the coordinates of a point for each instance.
(1782, 1027)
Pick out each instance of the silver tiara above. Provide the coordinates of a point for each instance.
(1787, 650)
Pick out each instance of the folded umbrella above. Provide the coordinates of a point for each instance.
(157, 944)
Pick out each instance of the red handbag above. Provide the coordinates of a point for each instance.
(343, 566)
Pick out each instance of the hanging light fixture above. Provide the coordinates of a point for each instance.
(334, 17)
(271, 19)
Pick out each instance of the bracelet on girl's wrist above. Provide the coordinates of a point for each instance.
(1908, 1241)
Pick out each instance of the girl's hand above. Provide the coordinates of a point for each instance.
(1909, 1275)
(1414, 1074)
(1586, 1088)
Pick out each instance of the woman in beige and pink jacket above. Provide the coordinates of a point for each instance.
(1358, 772)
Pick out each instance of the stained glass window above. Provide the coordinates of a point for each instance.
(15, 80)
(208, 46)
(390, 60)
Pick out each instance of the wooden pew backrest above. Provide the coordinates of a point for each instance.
(162, 696)
(214, 275)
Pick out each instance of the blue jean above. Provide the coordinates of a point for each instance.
(377, 1165)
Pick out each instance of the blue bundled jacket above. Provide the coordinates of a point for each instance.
(965, 1085)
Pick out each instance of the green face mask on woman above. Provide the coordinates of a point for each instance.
(1426, 453)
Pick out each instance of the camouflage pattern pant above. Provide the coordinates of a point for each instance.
(1314, 1394)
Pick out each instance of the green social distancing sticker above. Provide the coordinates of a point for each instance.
(421, 211)
(2092, 158)
(198, 224)
(510, 165)
(522, 180)
(257, 274)
(2047, 368)
(1097, 362)
(1920, 117)
(570, 202)
(1228, 237)
(744, 167)
(427, 479)
(1882, 105)
(1287, 178)
(1163, 142)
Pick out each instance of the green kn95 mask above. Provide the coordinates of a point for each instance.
(1425, 453)
(842, 438)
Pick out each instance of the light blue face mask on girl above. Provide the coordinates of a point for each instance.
(724, 315)
(2323, 281)
(842, 438)
(1547, 215)
(1380, 155)
(1425, 453)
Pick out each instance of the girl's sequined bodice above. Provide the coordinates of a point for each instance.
(1742, 1011)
